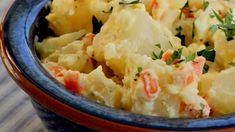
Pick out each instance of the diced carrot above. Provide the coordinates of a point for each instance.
(71, 82)
(152, 6)
(190, 79)
(154, 86)
(198, 65)
(88, 39)
(151, 85)
(57, 70)
(167, 55)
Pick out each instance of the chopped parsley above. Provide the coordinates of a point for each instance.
(179, 61)
(202, 108)
(227, 25)
(139, 70)
(123, 2)
(208, 53)
(191, 57)
(155, 56)
(158, 45)
(218, 17)
(206, 68)
(205, 4)
(176, 55)
(212, 15)
(232, 63)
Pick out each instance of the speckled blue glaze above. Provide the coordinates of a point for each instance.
(18, 29)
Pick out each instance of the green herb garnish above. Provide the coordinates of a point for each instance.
(179, 29)
(159, 46)
(155, 56)
(205, 4)
(139, 70)
(212, 15)
(128, 3)
(191, 57)
(227, 25)
(179, 61)
(176, 55)
(218, 17)
(206, 68)
(202, 108)
(232, 63)
(208, 53)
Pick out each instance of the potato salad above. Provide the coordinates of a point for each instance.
(169, 58)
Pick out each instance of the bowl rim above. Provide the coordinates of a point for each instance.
(17, 56)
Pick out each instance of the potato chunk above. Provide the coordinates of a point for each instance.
(134, 29)
(51, 44)
(221, 96)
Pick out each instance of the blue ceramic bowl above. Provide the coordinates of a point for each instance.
(59, 108)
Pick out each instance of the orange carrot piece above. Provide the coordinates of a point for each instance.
(88, 39)
(167, 55)
(190, 79)
(198, 65)
(71, 82)
(57, 70)
(152, 6)
(151, 85)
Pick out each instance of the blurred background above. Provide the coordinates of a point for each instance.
(16, 111)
